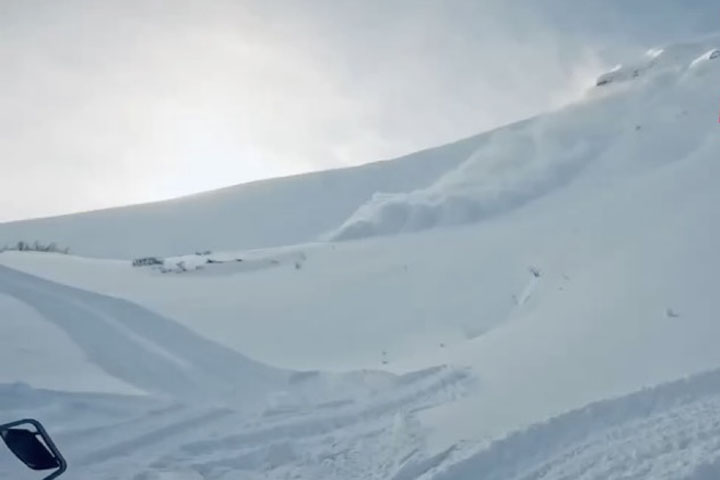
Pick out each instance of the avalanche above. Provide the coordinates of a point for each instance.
(534, 302)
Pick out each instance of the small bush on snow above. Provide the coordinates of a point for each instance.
(36, 246)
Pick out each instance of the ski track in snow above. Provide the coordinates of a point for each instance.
(198, 418)
(352, 440)
(668, 432)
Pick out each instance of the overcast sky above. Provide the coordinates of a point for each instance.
(110, 102)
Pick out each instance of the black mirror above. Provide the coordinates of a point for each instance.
(33, 446)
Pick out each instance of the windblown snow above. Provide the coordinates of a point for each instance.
(536, 302)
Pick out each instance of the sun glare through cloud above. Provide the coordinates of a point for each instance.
(120, 102)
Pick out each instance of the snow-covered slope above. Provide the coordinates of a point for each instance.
(661, 116)
(33, 349)
(567, 264)
(266, 213)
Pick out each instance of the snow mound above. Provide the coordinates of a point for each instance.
(51, 359)
(520, 164)
(137, 346)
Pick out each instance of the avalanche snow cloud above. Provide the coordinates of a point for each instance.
(665, 95)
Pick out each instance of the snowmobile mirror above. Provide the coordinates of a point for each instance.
(33, 446)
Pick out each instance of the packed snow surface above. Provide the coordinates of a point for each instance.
(537, 302)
